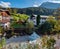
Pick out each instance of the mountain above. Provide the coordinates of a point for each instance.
(34, 10)
(50, 5)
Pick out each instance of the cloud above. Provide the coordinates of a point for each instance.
(5, 4)
(36, 4)
(55, 1)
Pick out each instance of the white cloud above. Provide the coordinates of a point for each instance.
(5, 4)
(55, 1)
(36, 4)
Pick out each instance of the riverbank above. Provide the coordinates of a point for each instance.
(22, 42)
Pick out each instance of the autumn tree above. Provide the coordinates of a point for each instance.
(50, 26)
(10, 10)
(56, 13)
(55, 24)
(51, 20)
(20, 19)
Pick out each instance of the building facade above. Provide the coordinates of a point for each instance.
(33, 19)
(4, 18)
(42, 19)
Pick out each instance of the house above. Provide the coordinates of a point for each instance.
(42, 19)
(4, 18)
(33, 19)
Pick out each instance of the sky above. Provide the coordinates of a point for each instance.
(24, 3)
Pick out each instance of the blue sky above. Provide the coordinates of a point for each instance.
(24, 3)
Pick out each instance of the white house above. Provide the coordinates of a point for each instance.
(34, 19)
(42, 19)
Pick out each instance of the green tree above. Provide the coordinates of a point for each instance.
(56, 13)
(1, 30)
(22, 17)
(30, 27)
(10, 10)
(15, 11)
(19, 19)
(45, 28)
(54, 23)
(0, 7)
(51, 25)
(2, 42)
(52, 20)
(38, 19)
(57, 26)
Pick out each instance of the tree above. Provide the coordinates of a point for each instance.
(55, 24)
(38, 19)
(0, 7)
(1, 30)
(10, 10)
(56, 13)
(45, 28)
(30, 27)
(2, 42)
(15, 11)
(50, 26)
(52, 20)
(20, 19)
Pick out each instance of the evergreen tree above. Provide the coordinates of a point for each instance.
(38, 19)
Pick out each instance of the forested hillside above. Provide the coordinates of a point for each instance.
(32, 10)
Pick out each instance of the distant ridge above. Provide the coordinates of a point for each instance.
(50, 5)
(34, 10)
